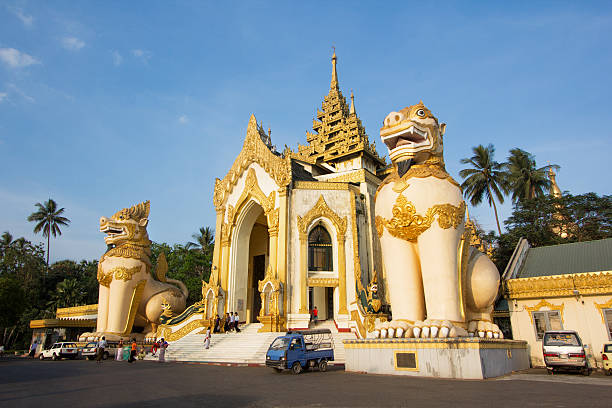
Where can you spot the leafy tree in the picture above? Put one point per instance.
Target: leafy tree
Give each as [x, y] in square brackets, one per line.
[485, 179]
[48, 219]
[542, 221]
[67, 294]
[524, 179]
[12, 305]
[204, 240]
[188, 266]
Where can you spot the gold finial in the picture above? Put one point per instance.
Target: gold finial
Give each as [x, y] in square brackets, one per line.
[269, 132]
[352, 103]
[334, 80]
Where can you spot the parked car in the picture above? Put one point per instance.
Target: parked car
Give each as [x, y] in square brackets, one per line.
[60, 350]
[564, 350]
[91, 349]
[606, 356]
[299, 350]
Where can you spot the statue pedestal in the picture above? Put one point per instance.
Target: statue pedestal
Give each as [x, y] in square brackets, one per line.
[465, 358]
[272, 323]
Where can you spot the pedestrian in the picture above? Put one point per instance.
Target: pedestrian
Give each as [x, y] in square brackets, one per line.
[207, 339]
[33, 348]
[315, 315]
[236, 322]
[232, 321]
[227, 323]
[154, 347]
[100, 350]
[163, 345]
[133, 351]
[119, 351]
[217, 328]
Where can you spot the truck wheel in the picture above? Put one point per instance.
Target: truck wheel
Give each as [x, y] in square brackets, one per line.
[41, 357]
[296, 368]
[550, 371]
[54, 357]
[609, 372]
[323, 366]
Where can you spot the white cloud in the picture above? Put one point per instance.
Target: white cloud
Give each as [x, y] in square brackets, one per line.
[19, 92]
[117, 58]
[142, 54]
[183, 119]
[26, 19]
[72, 43]
[3, 96]
[16, 59]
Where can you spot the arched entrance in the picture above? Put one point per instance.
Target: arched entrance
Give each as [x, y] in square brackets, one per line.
[250, 256]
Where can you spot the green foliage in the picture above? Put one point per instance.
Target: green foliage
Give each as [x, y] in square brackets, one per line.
[524, 179]
[485, 179]
[48, 219]
[187, 265]
[543, 220]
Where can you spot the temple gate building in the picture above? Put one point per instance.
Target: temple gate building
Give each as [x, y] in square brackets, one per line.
[295, 230]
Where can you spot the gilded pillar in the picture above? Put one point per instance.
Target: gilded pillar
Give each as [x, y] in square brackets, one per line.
[342, 275]
[281, 254]
[216, 260]
[273, 239]
[225, 249]
[303, 272]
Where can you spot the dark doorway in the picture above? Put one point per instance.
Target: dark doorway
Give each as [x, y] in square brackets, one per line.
[329, 295]
[259, 272]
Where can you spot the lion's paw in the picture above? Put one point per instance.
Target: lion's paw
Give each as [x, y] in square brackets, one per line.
[482, 329]
[392, 329]
[432, 328]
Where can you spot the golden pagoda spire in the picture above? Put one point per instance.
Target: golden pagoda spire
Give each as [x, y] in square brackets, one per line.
[555, 191]
[352, 110]
[334, 80]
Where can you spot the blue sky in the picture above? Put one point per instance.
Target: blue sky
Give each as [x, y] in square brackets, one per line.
[106, 104]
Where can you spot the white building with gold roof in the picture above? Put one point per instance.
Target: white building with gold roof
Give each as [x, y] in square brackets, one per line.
[295, 230]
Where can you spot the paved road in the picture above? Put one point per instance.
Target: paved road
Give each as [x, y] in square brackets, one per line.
[47, 384]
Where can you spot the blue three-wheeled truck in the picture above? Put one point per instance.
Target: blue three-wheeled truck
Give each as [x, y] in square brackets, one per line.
[300, 350]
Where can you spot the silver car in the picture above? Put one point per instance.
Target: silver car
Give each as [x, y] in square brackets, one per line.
[563, 349]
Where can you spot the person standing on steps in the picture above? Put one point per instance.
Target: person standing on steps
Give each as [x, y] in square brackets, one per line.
[119, 354]
[236, 322]
[315, 315]
[207, 338]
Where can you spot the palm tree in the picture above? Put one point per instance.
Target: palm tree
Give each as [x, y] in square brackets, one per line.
[6, 240]
[204, 240]
[485, 179]
[48, 219]
[68, 293]
[523, 178]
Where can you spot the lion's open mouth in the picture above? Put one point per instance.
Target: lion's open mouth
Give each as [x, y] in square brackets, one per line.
[111, 232]
[411, 136]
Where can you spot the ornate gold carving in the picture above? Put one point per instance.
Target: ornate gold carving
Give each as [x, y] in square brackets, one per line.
[161, 268]
[601, 307]
[322, 210]
[128, 250]
[251, 190]
[594, 283]
[104, 279]
[254, 150]
[270, 301]
[433, 167]
[545, 304]
[406, 224]
[167, 333]
[136, 212]
[273, 222]
[320, 185]
[323, 282]
[122, 273]
[225, 235]
[355, 176]
[64, 312]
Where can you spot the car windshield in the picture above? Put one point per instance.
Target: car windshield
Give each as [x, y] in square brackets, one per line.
[561, 339]
[280, 344]
[608, 348]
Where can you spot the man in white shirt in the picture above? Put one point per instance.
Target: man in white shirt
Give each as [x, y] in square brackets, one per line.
[101, 346]
[232, 321]
[236, 322]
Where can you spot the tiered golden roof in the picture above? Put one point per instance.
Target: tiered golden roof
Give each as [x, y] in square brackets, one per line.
[338, 131]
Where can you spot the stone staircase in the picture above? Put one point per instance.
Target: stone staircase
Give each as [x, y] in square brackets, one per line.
[246, 347]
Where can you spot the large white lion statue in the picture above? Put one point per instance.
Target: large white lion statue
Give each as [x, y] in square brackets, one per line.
[129, 295]
[438, 285]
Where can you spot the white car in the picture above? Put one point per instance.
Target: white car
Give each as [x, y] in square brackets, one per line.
[60, 350]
